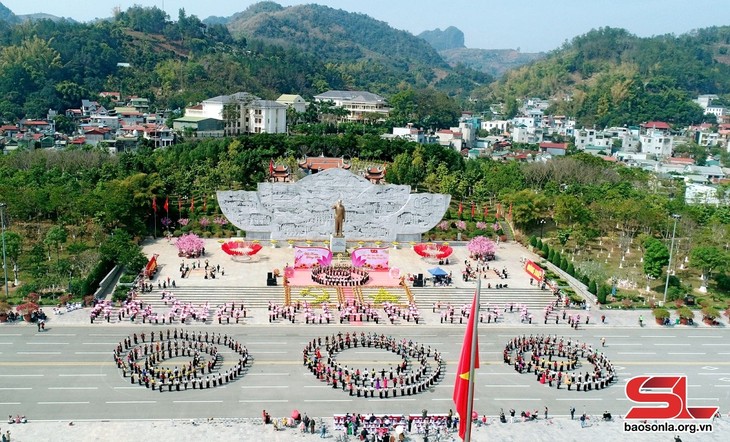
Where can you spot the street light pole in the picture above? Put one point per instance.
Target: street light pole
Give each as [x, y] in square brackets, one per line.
[542, 225]
[669, 264]
[2, 229]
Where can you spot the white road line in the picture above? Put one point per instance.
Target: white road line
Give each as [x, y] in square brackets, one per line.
[197, 402]
[705, 336]
[131, 402]
[673, 345]
[62, 403]
[636, 353]
[268, 374]
[258, 401]
[91, 352]
[617, 344]
[329, 400]
[57, 334]
[108, 334]
[81, 375]
[265, 343]
[506, 386]
[16, 388]
[9, 403]
[73, 388]
[726, 385]
[100, 343]
[10, 334]
[46, 343]
[6, 343]
[715, 345]
[39, 353]
[22, 375]
[579, 399]
[661, 336]
[127, 388]
[610, 336]
[254, 387]
[686, 353]
[705, 399]
[514, 399]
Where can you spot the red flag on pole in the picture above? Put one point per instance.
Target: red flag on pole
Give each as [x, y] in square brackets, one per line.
[192, 203]
[461, 386]
[461, 208]
[473, 208]
[167, 205]
[154, 204]
[271, 167]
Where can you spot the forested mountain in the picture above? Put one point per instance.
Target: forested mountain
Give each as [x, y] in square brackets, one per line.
[360, 49]
[495, 62]
[6, 15]
[611, 77]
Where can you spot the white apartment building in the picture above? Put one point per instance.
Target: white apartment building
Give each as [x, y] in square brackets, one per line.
[243, 113]
[501, 125]
[658, 142]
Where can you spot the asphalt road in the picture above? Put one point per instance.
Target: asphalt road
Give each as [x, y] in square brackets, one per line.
[68, 373]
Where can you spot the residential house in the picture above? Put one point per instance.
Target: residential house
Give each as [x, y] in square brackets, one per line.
[201, 126]
[359, 104]
[142, 105]
[656, 139]
[38, 126]
[450, 138]
[527, 135]
[89, 107]
[554, 149]
[293, 101]
[409, 133]
[95, 135]
[500, 126]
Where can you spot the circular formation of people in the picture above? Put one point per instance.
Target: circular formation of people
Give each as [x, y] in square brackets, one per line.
[419, 368]
[340, 275]
[554, 360]
[150, 359]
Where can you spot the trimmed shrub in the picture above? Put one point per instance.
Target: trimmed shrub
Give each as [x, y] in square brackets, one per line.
[592, 287]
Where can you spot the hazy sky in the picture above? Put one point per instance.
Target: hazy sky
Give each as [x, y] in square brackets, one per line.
[531, 25]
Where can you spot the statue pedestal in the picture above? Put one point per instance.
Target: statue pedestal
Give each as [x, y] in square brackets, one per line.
[338, 244]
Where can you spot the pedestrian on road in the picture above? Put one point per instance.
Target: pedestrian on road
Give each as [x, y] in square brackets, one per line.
[603, 342]
[572, 413]
[546, 413]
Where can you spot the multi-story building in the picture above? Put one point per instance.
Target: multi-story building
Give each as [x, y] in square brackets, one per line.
[242, 113]
[656, 139]
[358, 103]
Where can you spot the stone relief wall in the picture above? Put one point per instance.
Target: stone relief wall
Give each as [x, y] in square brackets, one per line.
[303, 209]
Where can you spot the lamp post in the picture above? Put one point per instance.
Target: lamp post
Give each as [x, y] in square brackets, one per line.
[669, 264]
[2, 229]
[542, 225]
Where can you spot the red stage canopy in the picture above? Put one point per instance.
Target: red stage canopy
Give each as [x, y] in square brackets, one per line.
[431, 250]
[241, 248]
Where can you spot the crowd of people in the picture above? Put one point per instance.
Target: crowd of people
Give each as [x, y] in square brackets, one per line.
[419, 368]
[553, 360]
[143, 359]
[340, 275]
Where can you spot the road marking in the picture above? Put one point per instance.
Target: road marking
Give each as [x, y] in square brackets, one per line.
[662, 336]
[62, 403]
[329, 400]
[614, 344]
[713, 374]
[267, 374]
[197, 402]
[57, 334]
[725, 385]
[705, 399]
[10, 334]
[73, 388]
[91, 352]
[513, 399]
[674, 345]
[108, 334]
[22, 375]
[271, 352]
[714, 345]
[9, 403]
[253, 387]
[610, 336]
[265, 343]
[126, 388]
[6, 343]
[636, 353]
[317, 386]
[82, 375]
[705, 337]
[16, 388]
[131, 402]
[687, 353]
[579, 399]
[506, 386]
[258, 401]
[100, 343]
[46, 343]
[39, 353]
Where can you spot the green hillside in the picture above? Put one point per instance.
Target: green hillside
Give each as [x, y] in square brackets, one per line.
[611, 77]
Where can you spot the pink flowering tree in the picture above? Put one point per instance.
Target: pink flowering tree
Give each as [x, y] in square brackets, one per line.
[189, 245]
[480, 246]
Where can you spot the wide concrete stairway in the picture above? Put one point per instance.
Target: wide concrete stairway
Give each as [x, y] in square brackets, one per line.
[535, 299]
[252, 297]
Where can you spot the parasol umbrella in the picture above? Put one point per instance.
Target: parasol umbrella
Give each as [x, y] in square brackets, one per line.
[295, 415]
[26, 307]
[474, 415]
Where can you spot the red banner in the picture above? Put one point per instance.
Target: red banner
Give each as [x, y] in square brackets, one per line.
[534, 270]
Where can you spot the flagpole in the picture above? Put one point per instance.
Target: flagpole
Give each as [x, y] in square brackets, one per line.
[472, 362]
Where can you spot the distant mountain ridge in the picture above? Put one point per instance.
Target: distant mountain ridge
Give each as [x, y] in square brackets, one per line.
[450, 38]
[7, 15]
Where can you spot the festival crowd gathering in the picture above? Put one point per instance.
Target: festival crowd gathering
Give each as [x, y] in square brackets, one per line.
[346, 276]
[143, 357]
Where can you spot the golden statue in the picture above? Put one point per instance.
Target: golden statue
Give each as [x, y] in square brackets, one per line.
[339, 218]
